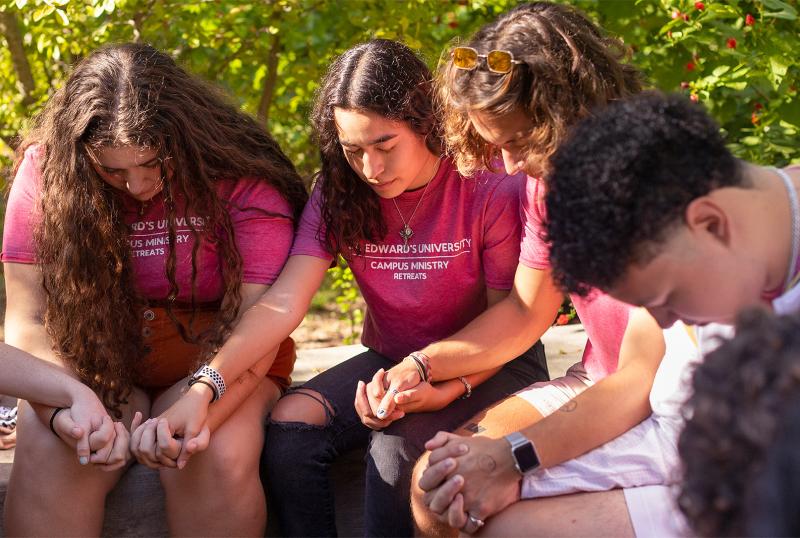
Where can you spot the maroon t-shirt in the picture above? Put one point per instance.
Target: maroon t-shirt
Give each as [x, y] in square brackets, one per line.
[466, 238]
[263, 239]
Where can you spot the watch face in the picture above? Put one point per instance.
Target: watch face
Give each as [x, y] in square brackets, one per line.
[526, 457]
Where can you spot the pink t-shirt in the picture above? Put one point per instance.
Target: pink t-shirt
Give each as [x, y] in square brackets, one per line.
[466, 238]
[603, 318]
[263, 239]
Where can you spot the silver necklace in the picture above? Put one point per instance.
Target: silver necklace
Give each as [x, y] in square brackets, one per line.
[406, 232]
[795, 206]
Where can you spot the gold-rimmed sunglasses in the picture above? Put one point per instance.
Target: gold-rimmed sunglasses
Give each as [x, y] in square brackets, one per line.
[497, 61]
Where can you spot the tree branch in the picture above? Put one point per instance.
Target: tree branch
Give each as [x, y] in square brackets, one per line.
[270, 81]
[10, 27]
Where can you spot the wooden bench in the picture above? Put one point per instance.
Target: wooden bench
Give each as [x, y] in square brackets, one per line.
[135, 507]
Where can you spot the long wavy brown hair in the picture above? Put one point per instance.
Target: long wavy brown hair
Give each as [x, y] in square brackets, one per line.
[568, 67]
[387, 78]
[123, 95]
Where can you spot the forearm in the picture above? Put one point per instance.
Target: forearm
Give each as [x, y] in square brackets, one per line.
[238, 391]
[503, 332]
[47, 382]
[601, 413]
[35, 380]
[612, 406]
[270, 315]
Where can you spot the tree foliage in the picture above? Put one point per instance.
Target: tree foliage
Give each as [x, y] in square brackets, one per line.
[738, 57]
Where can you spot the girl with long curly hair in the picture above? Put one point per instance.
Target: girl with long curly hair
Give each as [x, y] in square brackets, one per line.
[563, 457]
[430, 250]
[147, 213]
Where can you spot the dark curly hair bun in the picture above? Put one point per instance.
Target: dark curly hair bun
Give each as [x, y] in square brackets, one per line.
[622, 178]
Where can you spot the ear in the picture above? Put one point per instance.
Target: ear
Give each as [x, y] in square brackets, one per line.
[705, 216]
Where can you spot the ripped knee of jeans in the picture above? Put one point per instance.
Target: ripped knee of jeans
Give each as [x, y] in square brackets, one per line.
[302, 408]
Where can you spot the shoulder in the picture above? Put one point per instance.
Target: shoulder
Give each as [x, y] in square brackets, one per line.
[253, 193]
[498, 185]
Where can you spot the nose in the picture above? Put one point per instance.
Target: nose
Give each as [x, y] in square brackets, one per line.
[140, 182]
[512, 161]
[372, 165]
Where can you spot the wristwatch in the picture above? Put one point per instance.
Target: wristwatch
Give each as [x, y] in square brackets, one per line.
[526, 459]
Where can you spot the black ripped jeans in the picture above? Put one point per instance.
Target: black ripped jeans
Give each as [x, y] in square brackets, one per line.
[297, 456]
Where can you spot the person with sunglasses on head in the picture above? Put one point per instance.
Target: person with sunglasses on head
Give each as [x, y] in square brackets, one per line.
[563, 457]
[133, 240]
[430, 250]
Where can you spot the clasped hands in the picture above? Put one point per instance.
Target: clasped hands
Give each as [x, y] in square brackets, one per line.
[165, 441]
[393, 393]
[468, 479]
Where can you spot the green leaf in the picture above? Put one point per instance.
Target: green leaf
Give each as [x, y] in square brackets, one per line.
[63, 16]
[42, 12]
[778, 66]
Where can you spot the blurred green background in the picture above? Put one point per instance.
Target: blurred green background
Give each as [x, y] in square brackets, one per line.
[739, 58]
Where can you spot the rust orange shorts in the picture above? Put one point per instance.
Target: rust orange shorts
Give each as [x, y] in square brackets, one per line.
[170, 358]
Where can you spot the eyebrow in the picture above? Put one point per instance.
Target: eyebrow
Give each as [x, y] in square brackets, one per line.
[379, 140]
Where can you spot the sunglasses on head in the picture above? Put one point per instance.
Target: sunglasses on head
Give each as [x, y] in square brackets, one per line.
[497, 61]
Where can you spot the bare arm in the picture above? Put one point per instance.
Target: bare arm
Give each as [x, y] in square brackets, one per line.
[272, 316]
[620, 400]
[504, 331]
[598, 415]
[24, 325]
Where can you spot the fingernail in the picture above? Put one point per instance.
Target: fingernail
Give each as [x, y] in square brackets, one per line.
[449, 463]
[83, 460]
[181, 464]
[463, 449]
[458, 479]
[380, 413]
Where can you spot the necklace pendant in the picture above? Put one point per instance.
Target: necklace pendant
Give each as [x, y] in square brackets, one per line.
[406, 232]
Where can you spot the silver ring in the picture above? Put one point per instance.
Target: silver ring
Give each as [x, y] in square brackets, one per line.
[394, 391]
[478, 522]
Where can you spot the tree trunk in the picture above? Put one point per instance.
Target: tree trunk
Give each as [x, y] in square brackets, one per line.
[10, 27]
[270, 81]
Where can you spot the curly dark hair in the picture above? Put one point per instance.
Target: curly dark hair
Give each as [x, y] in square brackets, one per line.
[740, 392]
[568, 67]
[133, 94]
[387, 78]
[622, 178]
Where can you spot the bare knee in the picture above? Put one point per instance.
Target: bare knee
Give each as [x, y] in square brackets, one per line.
[303, 405]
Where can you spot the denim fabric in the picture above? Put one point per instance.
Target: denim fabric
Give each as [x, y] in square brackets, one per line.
[297, 456]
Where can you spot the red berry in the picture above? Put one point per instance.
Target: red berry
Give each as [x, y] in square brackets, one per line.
[453, 24]
[754, 118]
[749, 20]
[699, 6]
[676, 14]
[731, 43]
[758, 106]
[686, 17]
[690, 66]
[563, 319]
[694, 98]
[684, 85]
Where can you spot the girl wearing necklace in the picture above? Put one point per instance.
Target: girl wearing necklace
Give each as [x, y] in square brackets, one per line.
[134, 238]
[430, 251]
